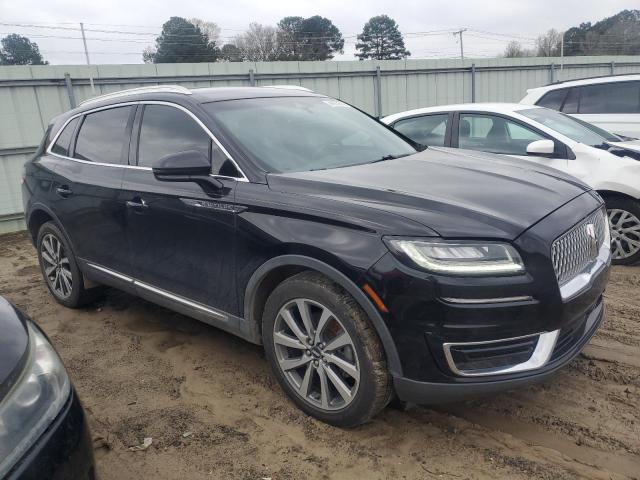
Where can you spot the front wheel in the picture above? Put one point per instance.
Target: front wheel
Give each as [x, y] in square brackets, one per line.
[624, 221]
[324, 352]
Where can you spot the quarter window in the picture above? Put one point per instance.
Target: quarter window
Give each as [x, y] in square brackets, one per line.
[618, 97]
[61, 147]
[103, 136]
[573, 101]
[495, 134]
[553, 99]
[425, 130]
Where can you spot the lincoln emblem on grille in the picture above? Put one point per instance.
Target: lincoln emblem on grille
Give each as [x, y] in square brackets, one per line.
[590, 229]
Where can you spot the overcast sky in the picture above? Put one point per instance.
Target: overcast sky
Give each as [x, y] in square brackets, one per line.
[427, 24]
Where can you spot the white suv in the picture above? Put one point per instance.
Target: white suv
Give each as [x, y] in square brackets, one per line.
[612, 102]
[611, 166]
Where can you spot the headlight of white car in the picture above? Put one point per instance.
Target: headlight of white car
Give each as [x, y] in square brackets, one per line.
[458, 257]
[33, 402]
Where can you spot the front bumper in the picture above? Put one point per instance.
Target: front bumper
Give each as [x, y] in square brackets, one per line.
[461, 336]
[424, 393]
[64, 451]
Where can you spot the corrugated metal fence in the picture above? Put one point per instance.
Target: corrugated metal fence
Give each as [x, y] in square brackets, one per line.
[31, 95]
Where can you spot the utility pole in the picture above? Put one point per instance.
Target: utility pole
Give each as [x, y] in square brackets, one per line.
[561, 54]
[86, 54]
[459, 32]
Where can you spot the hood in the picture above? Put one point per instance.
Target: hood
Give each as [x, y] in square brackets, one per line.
[14, 341]
[456, 193]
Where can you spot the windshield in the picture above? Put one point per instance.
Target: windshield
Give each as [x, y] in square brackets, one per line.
[294, 134]
[568, 126]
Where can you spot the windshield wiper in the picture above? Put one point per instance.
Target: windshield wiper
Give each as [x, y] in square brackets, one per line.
[389, 157]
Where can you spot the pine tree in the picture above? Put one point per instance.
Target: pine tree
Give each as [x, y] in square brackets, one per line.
[381, 40]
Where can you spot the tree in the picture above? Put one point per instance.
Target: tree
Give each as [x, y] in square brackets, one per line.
[19, 50]
[514, 50]
[381, 40]
[230, 53]
[182, 42]
[210, 29]
[258, 44]
[616, 35]
[313, 38]
[548, 44]
[289, 40]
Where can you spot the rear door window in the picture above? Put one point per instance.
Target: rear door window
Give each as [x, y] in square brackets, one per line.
[615, 97]
[103, 136]
[61, 147]
[426, 129]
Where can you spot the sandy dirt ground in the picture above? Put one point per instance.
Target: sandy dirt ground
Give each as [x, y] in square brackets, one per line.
[214, 410]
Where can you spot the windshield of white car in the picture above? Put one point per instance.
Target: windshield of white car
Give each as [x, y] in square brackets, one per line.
[295, 134]
[570, 127]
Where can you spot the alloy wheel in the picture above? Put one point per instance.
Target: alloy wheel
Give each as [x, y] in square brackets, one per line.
[316, 354]
[56, 266]
[625, 233]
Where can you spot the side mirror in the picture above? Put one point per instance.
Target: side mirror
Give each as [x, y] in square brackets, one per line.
[187, 166]
[541, 148]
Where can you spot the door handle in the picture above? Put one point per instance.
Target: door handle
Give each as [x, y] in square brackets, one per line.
[64, 191]
[137, 204]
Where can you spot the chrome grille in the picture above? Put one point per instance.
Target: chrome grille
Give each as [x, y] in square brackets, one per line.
[577, 248]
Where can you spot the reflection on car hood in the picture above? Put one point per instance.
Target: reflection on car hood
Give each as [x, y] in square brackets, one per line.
[14, 341]
[455, 192]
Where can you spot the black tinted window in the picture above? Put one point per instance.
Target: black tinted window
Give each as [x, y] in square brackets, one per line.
[553, 99]
[572, 101]
[617, 97]
[167, 130]
[426, 130]
[103, 136]
[61, 147]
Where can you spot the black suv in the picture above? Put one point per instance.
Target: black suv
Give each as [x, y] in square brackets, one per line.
[365, 264]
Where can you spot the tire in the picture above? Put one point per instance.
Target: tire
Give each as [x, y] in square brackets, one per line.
[327, 353]
[59, 268]
[624, 220]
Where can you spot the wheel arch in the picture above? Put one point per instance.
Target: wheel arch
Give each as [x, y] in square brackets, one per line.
[604, 193]
[274, 271]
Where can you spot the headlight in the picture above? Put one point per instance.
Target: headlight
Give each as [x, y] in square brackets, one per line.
[458, 257]
[33, 402]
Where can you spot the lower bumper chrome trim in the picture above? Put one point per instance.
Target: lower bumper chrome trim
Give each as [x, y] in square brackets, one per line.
[478, 301]
[540, 356]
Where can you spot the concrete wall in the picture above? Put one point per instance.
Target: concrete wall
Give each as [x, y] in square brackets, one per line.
[31, 95]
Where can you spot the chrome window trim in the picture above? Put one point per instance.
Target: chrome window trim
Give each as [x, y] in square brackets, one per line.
[540, 356]
[243, 178]
[477, 301]
[176, 298]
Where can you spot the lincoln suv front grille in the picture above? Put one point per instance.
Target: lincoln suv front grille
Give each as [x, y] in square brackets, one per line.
[577, 248]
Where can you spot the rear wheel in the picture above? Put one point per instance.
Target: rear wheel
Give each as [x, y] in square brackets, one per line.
[624, 221]
[324, 352]
[59, 268]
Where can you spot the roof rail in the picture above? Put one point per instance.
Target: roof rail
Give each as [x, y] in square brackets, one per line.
[558, 82]
[289, 87]
[135, 91]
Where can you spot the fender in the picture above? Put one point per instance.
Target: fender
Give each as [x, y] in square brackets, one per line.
[40, 206]
[390, 350]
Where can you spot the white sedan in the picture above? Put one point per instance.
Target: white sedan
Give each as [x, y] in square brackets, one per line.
[611, 166]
